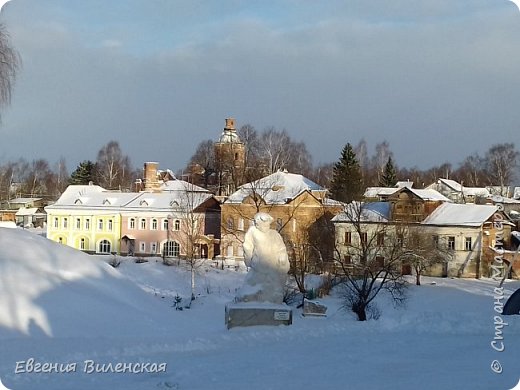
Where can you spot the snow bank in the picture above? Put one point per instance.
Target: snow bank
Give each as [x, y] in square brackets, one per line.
[47, 289]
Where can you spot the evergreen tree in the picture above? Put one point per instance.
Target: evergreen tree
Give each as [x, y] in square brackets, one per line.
[84, 173]
[347, 180]
[389, 177]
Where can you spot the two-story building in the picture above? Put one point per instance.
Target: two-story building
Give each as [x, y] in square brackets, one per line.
[295, 202]
[171, 218]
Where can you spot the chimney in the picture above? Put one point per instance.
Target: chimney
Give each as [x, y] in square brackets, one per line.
[151, 184]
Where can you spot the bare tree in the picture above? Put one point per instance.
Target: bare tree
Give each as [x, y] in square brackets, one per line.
[501, 162]
[201, 167]
[379, 160]
[275, 149]
[10, 62]
[424, 250]
[113, 167]
[249, 136]
[189, 212]
[37, 176]
[62, 177]
[471, 172]
[370, 260]
[322, 174]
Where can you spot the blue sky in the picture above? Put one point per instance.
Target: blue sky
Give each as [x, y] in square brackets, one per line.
[437, 79]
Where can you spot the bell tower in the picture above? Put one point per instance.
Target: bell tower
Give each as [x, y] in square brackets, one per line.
[229, 159]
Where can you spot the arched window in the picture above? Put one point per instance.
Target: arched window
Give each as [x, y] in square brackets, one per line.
[82, 244]
[177, 225]
[171, 249]
[104, 246]
[154, 224]
[131, 223]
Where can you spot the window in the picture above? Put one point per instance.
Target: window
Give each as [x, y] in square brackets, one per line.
[100, 224]
[279, 224]
[229, 251]
[348, 238]
[400, 240]
[56, 222]
[347, 259]
[380, 239]
[131, 223]
[171, 249]
[104, 246]
[153, 247]
[82, 245]
[142, 247]
[142, 224]
[78, 223]
[380, 262]
[65, 223]
[177, 225]
[154, 224]
[110, 223]
[60, 240]
[87, 223]
[363, 236]
[467, 244]
[241, 224]
[230, 223]
[165, 224]
[451, 242]
[435, 240]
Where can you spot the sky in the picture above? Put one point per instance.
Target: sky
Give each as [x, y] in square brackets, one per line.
[438, 79]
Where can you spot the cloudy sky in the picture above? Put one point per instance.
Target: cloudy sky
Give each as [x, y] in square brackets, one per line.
[438, 79]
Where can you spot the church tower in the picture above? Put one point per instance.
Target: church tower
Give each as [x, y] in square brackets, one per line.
[229, 159]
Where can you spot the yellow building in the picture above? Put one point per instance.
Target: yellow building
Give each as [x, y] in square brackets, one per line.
[88, 218]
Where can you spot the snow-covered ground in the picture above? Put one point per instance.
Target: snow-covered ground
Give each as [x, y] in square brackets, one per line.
[62, 307]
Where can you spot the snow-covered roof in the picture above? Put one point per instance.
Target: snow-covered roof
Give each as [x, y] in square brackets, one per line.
[454, 214]
[451, 184]
[406, 183]
[459, 188]
[229, 136]
[92, 196]
[364, 212]
[173, 200]
[181, 186]
[23, 212]
[375, 192]
[426, 194]
[475, 191]
[277, 188]
[503, 200]
[24, 200]
[175, 194]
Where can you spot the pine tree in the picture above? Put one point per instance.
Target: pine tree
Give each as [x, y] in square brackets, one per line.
[347, 180]
[84, 173]
[389, 177]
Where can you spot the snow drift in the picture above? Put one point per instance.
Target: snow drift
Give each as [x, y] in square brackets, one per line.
[47, 289]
